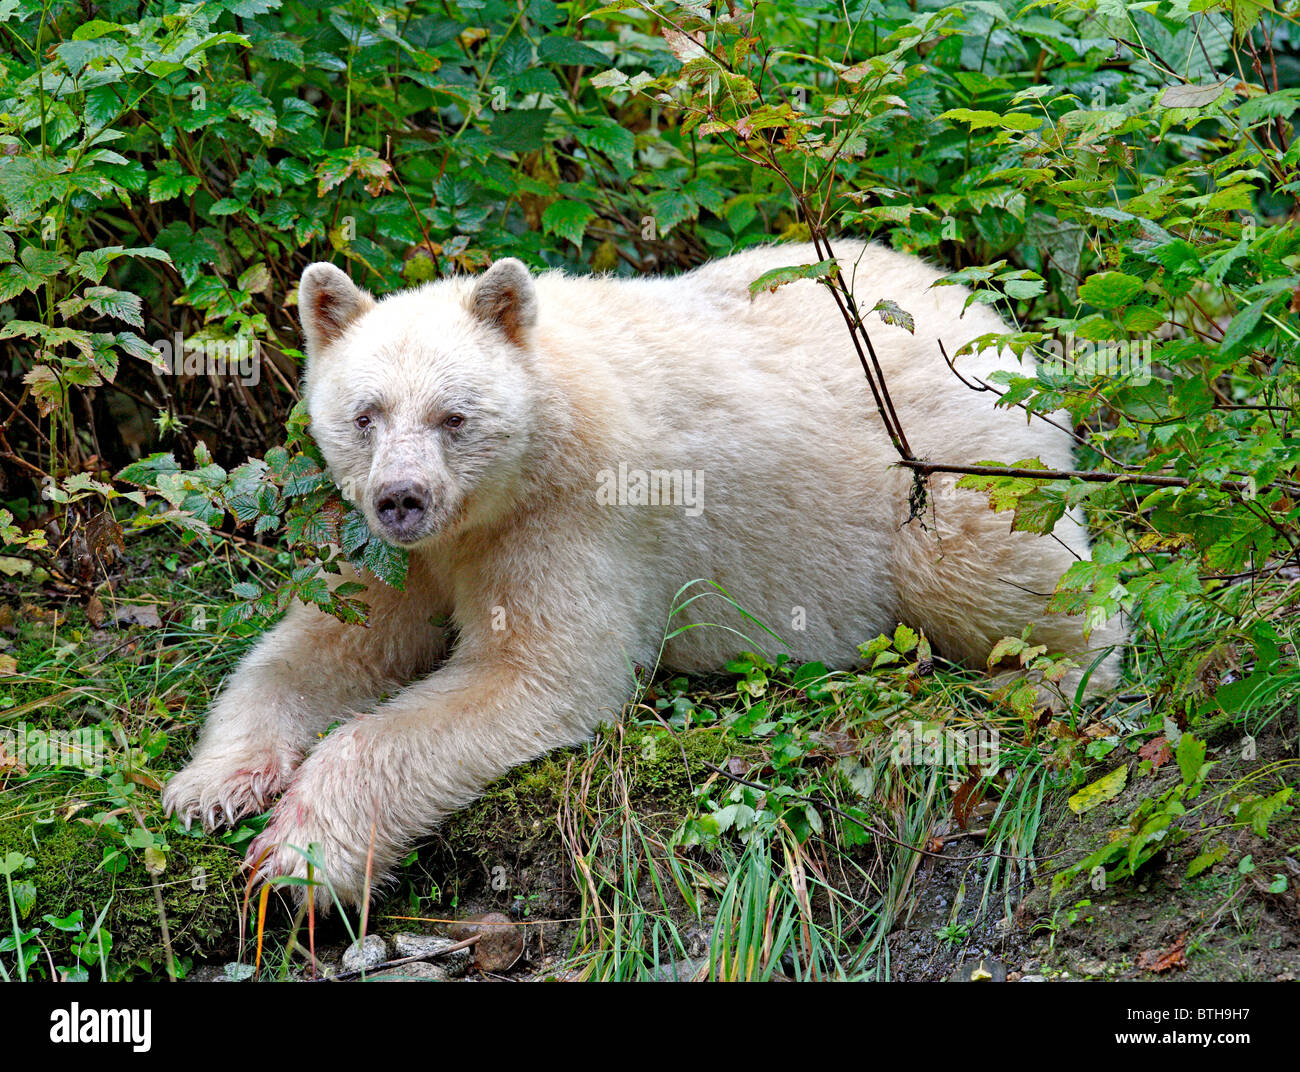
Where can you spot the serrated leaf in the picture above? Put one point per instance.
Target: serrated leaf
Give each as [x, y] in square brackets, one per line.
[116, 303]
[568, 219]
[1207, 859]
[1110, 290]
[775, 278]
[892, 313]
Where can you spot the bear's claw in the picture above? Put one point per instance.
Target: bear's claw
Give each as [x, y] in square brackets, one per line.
[218, 795]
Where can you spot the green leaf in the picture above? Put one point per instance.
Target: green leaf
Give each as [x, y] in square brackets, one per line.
[982, 120]
[520, 130]
[249, 105]
[671, 207]
[386, 562]
[568, 219]
[775, 278]
[1190, 754]
[1207, 859]
[611, 79]
[1242, 326]
[905, 639]
[171, 181]
[610, 138]
[565, 51]
[1110, 290]
[1038, 511]
[24, 897]
[117, 303]
[247, 9]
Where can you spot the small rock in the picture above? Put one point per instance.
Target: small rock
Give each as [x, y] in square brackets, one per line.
[1033, 979]
[502, 942]
[697, 943]
[450, 965]
[219, 973]
[984, 970]
[681, 971]
[365, 954]
[416, 971]
[147, 616]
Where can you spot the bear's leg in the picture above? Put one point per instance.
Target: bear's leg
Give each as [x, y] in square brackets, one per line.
[374, 787]
[968, 581]
[309, 671]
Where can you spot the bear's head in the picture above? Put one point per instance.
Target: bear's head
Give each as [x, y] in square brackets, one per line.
[422, 402]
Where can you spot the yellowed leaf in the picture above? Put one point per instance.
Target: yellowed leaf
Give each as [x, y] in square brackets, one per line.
[1100, 791]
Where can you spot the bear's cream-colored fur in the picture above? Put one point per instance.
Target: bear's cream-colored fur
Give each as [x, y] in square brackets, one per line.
[561, 456]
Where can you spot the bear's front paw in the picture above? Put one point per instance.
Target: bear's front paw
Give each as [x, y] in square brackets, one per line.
[220, 789]
[300, 832]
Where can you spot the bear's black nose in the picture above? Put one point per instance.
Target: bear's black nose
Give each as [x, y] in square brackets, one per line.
[400, 506]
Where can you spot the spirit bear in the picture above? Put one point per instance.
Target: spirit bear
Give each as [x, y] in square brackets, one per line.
[561, 456]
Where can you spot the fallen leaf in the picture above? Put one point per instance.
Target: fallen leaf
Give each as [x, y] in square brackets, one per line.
[835, 741]
[144, 779]
[968, 797]
[14, 567]
[1157, 750]
[34, 613]
[95, 611]
[8, 665]
[1173, 957]
[1102, 790]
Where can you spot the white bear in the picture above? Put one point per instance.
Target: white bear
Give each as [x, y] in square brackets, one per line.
[561, 456]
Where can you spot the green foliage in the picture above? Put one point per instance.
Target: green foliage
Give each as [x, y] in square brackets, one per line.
[286, 492]
[1130, 212]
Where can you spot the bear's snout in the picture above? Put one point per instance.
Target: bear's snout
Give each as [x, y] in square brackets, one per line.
[401, 507]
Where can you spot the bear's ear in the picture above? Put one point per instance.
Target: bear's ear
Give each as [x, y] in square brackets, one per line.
[503, 297]
[328, 301]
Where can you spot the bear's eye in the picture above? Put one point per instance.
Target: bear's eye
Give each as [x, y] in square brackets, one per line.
[453, 420]
[364, 421]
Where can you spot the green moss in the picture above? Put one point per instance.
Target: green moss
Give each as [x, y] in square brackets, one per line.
[508, 845]
[514, 824]
[68, 875]
[661, 770]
